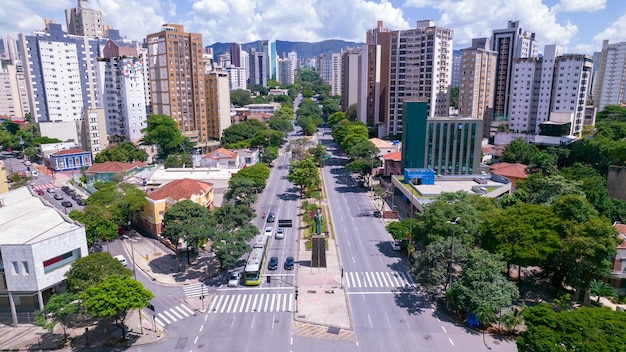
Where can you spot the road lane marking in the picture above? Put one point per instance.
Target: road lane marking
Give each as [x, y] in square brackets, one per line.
[444, 329]
[195, 340]
[370, 319]
[451, 341]
[372, 293]
[201, 327]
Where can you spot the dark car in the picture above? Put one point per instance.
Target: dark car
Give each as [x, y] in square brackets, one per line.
[76, 196]
[377, 214]
[70, 192]
[80, 202]
[66, 203]
[58, 196]
[273, 263]
[65, 188]
[271, 217]
[289, 263]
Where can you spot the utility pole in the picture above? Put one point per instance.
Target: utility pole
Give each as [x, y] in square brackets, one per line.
[456, 221]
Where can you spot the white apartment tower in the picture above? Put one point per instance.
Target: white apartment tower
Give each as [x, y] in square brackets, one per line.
[84, 21]
[236, 77]
[477, 71]
[13, 91]
[10, 48]
[335, 74]
[285, 71]
[420, 67]
[610, 86]
[552, 88]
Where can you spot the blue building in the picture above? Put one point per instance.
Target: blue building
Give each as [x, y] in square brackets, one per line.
[70, 159]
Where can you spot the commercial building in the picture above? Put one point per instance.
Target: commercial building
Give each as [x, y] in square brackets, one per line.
[446, 145]
[349, 78]
[610, 86]
[257, 68]
[217, 102]
[37, 246]
[176, 71]
[84, 21]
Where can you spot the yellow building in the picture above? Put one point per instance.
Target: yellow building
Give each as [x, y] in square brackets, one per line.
[4, 185]
[150, 218]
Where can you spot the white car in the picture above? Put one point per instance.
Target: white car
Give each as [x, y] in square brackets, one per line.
[280, 233]
[396, 245]
[269, 230]
[234, 278]
[121, 259]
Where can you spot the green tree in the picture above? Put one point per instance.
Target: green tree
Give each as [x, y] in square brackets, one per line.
[258, 173]
[364, 149]
[163, 131]
[454, 97]
[612, 112]
[582, 329]
[240, 97]
[538, 189]
[113, 297]
[482, 284]
[178, 160]
[100, 222]
[431, 266]
[318, 153]
[334, 118]
[188, 221]
[242, 189]
[60, 309]
[513, 318]
[601, 289]
[90, 270]
[282, 124]
[125, 152]
[242, 131]
[351, 113]
[304, 174]
[355, 133]
[519, 151]
[330, 106]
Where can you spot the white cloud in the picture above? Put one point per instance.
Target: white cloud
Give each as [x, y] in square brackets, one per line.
[477, 18]
[615, 33]
[134, 18]
[581, 5]
[18, 17]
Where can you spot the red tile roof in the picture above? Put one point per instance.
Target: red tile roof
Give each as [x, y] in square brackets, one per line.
[621, 228]
[216, 154]
[394, 156]
[69, 151]
[181, 189]
[114, 167]
[515, 170]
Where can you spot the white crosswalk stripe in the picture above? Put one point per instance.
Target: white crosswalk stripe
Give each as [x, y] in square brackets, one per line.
[43, 187]
[251, 303]
[378, 279]
[195, 290]
[173, 315]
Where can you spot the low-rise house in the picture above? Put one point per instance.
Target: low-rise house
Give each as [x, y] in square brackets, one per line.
[37, 246]
[150, 217]
[618, 269]
[392, 164]
[70, 160]
[513, 171]
[220, 158]
[385, 147]
[112, 171]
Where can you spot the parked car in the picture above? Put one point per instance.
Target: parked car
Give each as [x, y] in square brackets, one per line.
[269, 230]
[40, 192]
[377, 214]
[396, 245]
[58, 196]
[280, 233]
[70, 192]
[233, 280]
[27, 163]
[289, 262]
[66, 203]
[121, 259]
[65, 188]
[271, 217]
[76, 196]
[273, 263]
[80, 202]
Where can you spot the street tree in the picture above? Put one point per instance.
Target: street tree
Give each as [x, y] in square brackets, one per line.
[163, 132]
[356, 132]
[233, 217]
[512, 318]
[601, 289]
[318, 153]
[524, 234]
[304, 174]
[113, 297]
[229, 246]
[432, 265]
[258, 173]
[90, 270]
[519, 151]
[187, 221]
[363, 168]
[242, 131]
[334, 118]
[242, 190]
[448, 206]
[240, 97]
[581, 329]
[351, 112]
[99, 221]
[539, 189]
[364, 149]
[267, 138]
[60, 309]
[125, 152]
[482, 284]
[330, 106]
[282, 124]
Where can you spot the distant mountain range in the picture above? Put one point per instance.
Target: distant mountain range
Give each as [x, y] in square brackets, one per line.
[303, 49]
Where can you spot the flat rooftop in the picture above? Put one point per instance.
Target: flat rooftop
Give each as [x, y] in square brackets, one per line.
[25, 219]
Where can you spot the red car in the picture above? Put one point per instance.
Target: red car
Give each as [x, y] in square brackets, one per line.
[39, 192]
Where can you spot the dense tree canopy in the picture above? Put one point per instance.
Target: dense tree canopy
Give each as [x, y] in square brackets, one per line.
[90, 270]
[125, 152]
[163, 131]
[240, 97]
[242, 131]
[304, 174]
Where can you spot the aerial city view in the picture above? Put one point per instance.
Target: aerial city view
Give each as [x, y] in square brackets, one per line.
[358, 175]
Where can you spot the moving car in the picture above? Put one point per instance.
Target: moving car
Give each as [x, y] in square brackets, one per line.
[396, 245]
[65, 188]
[269, 230]
[280, 233]
[289, 262]
[51, 190]
[66, 203]
[121, 259]
[273, 263]
[39, 192]
[58, 196]
[271, 217]
[234, 278]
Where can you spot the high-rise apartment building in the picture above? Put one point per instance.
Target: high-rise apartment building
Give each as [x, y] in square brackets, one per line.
[218, 103]
[477, 69]
[236, 77]
[323, 67]
[285, 71]
[510, 43]
[10, 48]
[61, 75]
[257, 68]
[349, 78]
[293, 56]
[13, 91]
[235, 54]
[177, 85]
[455, 81]
[553, 88]
[84, 21]
[421, 67]
[610, 85]
[335, 74]
[373, 89]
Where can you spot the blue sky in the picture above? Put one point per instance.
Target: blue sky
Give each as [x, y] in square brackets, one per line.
[578, 25]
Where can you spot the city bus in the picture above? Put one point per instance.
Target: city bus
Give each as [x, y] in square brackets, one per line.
[254, 265]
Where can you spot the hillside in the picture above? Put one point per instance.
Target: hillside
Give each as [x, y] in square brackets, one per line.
[304, 49]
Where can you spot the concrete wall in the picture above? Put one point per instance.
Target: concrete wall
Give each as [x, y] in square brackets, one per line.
[616, 182]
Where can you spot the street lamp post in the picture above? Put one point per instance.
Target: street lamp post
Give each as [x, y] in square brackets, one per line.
[456, 221]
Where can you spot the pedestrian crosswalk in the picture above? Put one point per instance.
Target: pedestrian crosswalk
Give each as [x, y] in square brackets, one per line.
[43, 187]
[195, 290]
[378, 279]
[173, 315]
[252, 303]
